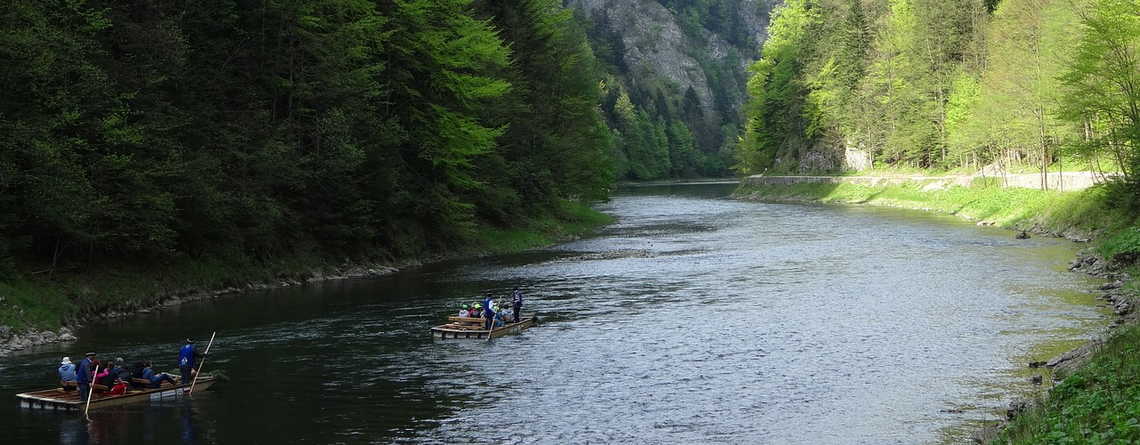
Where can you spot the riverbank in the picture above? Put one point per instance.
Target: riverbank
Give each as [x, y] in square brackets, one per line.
[1078, 216]
[1096, 397]
[47, 308]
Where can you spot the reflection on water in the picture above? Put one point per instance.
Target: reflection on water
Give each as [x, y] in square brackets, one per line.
[693, 319]
[189, 431]
[120, 425]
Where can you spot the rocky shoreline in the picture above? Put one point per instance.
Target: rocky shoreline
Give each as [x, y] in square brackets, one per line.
[1114, 297]
[12, 342]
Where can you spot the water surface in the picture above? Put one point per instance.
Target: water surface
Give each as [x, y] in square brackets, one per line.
[693, 319]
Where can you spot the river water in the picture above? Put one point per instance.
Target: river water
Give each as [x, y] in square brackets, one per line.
[693, 319]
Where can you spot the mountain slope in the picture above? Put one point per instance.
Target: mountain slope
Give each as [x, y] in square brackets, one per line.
[670, 64]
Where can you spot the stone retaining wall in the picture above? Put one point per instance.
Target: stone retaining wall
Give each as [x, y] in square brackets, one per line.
[1069, 181]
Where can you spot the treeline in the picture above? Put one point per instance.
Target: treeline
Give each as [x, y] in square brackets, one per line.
[662, 130]
[146, 130]
[946, 84]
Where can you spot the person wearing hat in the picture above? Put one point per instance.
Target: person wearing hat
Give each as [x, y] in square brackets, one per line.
[499, 314]
[186, 357]
[84, 375]
[67, 373]
[464, 312]
[516, 305]
[488, 311]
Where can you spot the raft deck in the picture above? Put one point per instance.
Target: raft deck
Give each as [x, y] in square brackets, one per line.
[473, 328]
[60, 400]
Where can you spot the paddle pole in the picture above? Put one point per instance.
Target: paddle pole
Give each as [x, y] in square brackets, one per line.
[200, 365]
[492, 326]
[90, 391]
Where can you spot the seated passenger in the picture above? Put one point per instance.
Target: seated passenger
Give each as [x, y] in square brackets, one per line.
[122, 372]
[137, 371]
[67, 373]
[508, 315]
[138, 368]
[156, 379]
[107, 376]
[464, 312]
[118, 386]
[478, 311]
[498, 317]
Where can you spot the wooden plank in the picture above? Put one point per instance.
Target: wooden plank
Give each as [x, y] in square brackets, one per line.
[466, 319]
[57, 399]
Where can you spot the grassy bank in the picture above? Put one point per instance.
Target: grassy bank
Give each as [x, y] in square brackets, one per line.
[46, 302]
[1078, 214]
[1097, 404]
[1100, 402]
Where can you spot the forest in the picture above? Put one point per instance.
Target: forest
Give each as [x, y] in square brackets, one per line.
[661, 129]
[141, 131]
[966, 85]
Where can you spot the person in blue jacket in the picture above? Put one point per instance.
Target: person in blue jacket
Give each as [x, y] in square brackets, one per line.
[186, 357]
[84, 375]
[488, 312]
[155, 379]
[67, 372]
[516, 304]
[500, 321]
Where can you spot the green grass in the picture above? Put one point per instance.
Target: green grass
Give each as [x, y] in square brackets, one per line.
[47, 302]
[1097, 404]
[1005, 207]
[571, 219]
[30, 304]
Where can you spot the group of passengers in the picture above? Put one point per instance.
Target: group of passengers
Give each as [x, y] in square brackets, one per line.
[490, 310]
[113, 377]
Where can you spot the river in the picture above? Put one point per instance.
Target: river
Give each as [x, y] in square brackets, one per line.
[693, 319]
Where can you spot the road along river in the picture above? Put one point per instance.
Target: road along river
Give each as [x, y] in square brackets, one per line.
[694, 319]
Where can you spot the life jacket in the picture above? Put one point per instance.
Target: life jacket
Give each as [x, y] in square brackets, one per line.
[186, 356]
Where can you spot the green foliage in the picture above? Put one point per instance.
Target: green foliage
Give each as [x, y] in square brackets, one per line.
[1123, 242]
[226, 136]
[31, 304]
[1098, 404]
[948, 85]
[698, 151]
[569, 219]
[775, 130]
[1103, 81]
[1006, 207]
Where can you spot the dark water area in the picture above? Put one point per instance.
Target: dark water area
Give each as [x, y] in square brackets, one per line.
[693, 319]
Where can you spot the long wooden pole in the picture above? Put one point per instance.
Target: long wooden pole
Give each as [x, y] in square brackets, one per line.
[90, 391]
[200, 365]
[489, 331]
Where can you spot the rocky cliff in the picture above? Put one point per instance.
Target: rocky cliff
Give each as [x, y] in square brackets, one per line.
[655, 41]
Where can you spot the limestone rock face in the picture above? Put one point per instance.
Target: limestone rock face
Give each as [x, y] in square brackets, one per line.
[654, 41]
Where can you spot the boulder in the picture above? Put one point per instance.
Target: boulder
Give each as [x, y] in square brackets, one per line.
[48, 337]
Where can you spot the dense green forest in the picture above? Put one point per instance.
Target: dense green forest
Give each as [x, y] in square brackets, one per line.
[947, 84]
[142, 131]
[661, 128]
